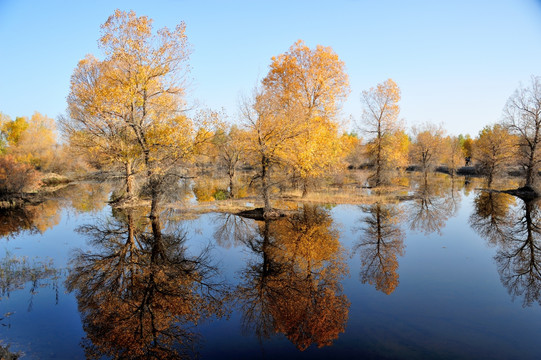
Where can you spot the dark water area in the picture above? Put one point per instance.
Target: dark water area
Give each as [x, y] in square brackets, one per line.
[453, 273]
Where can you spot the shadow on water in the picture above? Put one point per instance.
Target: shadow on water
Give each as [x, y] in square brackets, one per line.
[144, 291]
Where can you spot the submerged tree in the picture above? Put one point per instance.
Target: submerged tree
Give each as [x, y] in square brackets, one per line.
[92, 126]
[522, 116]
[291, 118]
[230, 151]
[270, 132]
[454, 154]
[387, 144]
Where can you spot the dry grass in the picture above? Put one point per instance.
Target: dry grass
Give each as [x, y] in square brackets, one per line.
[292, 199]
[349, 195]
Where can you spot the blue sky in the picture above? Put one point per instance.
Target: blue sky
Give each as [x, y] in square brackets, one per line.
[456, 62]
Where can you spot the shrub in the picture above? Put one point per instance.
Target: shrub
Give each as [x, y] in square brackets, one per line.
[203, 193]
[15, 177]
[221, 194]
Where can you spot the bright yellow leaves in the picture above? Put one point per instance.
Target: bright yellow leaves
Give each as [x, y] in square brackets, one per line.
[312, 81]
[494, 149]
[428, 148]
[311, 85]
[127, 108]
[292, 118]
[31, 140]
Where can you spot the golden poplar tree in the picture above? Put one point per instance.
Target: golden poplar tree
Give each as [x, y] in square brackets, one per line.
[269, 139]
[428, 147]
[494, 149]
[310, 85]
[387, 144]
[137, 93]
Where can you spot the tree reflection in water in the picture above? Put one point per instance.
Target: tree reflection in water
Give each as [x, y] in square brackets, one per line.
[233, 230]
[516, 232]
[492, 216]
[435, 201]
[31, 219]
[380, 245]
[37, 218]
[138, 291]
[292, 286]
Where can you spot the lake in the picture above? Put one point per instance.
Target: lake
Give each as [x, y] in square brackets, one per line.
[450, 272]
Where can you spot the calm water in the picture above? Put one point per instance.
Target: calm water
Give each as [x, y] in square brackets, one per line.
[451, 273]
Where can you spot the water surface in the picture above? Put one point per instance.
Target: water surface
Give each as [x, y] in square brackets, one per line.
[451, 273]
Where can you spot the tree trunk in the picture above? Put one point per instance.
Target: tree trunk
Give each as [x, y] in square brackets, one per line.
[130, 188]
[304, 187]
[530, 173]
[154, 193]
[231, 173]
[265, 184]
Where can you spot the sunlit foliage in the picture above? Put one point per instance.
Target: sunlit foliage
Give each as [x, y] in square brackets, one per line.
[15, 176]
[428, 146]
[387, 145]
[29, 140]
[291, 118]
[495, 148]
[310, 84]
[454, 154]
[129, 107]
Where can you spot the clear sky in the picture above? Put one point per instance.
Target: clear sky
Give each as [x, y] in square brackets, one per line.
[456, 62]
